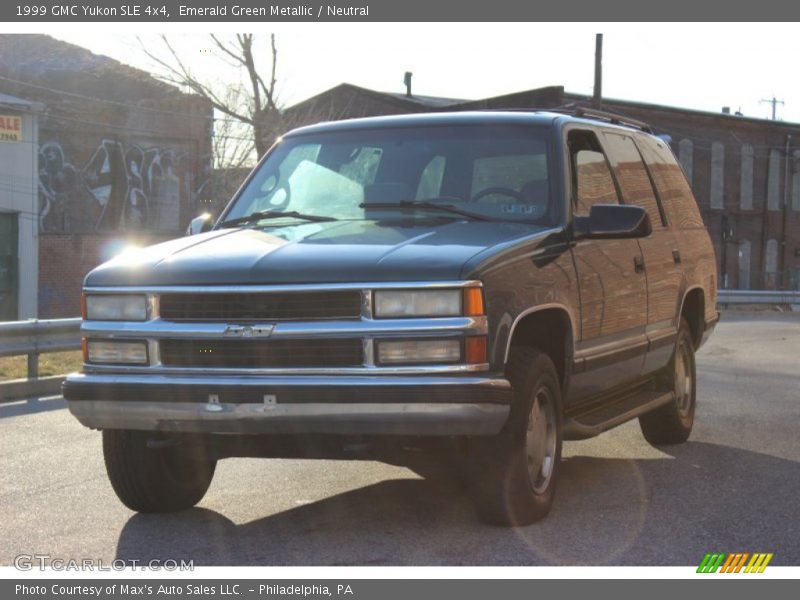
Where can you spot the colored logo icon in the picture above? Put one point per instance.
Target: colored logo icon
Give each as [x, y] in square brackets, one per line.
[737, 562]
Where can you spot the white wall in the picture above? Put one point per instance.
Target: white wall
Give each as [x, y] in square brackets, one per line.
[19, 194]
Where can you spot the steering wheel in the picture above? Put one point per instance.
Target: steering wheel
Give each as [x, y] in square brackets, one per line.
[505, 191]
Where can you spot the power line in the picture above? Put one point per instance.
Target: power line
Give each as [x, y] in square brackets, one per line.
[103, 100]
[143, 131]
[222, 119]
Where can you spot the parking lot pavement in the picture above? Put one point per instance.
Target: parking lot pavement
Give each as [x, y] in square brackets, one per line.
[733, 487]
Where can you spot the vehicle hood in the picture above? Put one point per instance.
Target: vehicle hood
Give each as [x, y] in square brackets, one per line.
[328, 252]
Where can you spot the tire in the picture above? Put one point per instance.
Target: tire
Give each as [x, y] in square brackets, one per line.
[515, 473]
[672, 423]
[156, 477]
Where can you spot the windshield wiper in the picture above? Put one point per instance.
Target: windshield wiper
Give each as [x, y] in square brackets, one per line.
[427, 205]
[274, 214]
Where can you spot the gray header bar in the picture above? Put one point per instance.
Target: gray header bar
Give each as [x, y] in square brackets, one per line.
[730, 588]
[269, 11]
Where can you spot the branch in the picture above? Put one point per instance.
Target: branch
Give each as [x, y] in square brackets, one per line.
[182, 76]
[246, 42]
[227, 50]
[271, 92]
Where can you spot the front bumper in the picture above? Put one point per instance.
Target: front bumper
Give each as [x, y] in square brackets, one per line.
[361, 405]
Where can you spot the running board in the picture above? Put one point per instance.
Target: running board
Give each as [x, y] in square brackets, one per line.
[598, 419]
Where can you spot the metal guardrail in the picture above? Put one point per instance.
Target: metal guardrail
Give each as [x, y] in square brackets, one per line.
[758, 297]
[34, 337]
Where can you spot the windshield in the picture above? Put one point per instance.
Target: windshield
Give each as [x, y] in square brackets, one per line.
[493, 172]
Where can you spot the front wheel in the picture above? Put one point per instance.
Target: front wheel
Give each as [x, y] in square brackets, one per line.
[672, 423]
[515, 472]
[157, 475]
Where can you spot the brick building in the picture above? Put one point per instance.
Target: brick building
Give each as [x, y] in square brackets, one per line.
[122, 158]
[745, 172]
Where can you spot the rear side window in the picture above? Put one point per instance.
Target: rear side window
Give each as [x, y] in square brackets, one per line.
[592, 182]
[673, 189]
[633, 177]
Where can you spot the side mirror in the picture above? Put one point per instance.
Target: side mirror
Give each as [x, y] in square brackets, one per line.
[199, 224]
[610, 221]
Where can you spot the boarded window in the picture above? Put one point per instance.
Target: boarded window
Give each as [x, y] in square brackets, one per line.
[774, 181]
[771, 265]
[796, 181]
[744, 265]
[717, 199]
[746, 179]
[632, 176]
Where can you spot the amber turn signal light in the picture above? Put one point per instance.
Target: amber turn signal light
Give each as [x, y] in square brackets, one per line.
[475, 350]
[473, 302]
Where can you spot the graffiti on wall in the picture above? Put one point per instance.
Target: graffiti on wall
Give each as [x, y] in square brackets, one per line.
[121, 186]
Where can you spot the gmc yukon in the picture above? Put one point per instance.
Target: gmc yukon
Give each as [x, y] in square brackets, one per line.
[474, 288]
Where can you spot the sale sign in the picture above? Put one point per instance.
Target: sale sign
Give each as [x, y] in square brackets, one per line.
[10, 128]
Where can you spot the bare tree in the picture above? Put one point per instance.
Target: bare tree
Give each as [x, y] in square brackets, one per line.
[253, 103]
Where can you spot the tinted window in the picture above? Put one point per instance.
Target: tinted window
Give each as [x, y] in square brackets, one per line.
[497, 171]
[501, 179]
[632, 176]
[673, 189]
[592, 182]
[430, 183]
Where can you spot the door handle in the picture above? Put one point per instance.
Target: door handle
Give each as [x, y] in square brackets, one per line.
[638, 264]
[676, 256]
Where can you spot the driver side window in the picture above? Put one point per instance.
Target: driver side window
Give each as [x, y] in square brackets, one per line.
[592, 182]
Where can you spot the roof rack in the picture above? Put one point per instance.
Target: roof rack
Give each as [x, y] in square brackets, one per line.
[601, 115]
[583, 112]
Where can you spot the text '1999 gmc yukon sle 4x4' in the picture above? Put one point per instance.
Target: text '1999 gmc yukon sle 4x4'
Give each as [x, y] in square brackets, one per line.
[471, 288]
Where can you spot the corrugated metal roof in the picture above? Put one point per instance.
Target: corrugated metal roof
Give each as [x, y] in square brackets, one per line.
[20, 104]
[431, 101]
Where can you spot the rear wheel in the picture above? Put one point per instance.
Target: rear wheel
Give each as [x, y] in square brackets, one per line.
[514, 473]
[153, 475]
[672, 423]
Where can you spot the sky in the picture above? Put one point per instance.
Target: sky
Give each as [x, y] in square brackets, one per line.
[699, 66]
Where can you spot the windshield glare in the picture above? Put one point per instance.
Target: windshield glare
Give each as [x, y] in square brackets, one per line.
[499, 172]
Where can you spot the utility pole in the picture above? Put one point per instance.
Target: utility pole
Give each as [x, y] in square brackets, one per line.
[774, 101]
[597, 99]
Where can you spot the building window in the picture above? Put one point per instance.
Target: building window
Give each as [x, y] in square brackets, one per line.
[796, 181]
[744, 265]
[717, 174]
[686, 157]
[774, 181]
[746, 182]
[771, 265]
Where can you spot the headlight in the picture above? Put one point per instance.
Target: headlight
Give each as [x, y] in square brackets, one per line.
[419, 352]
[418, 303]
[116, 307]
[115, 353]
